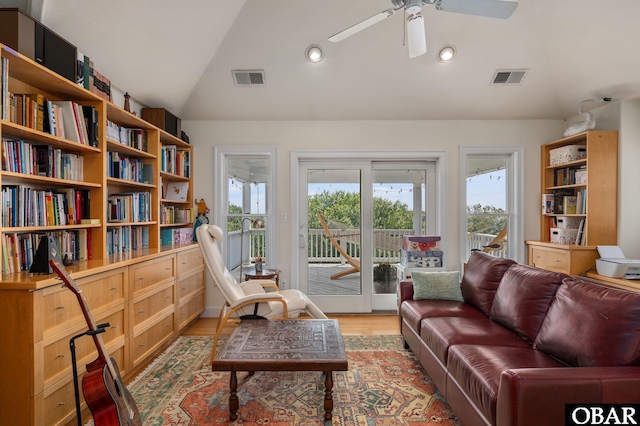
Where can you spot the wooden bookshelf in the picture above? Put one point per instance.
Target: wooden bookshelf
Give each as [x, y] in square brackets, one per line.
[600, 206]
[147, 292]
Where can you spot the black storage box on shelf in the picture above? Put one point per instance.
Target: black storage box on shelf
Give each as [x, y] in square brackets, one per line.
[24, 34]
[163, 119]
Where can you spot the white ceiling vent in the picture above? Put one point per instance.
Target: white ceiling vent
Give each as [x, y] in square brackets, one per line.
[248, 77]
[508, 77]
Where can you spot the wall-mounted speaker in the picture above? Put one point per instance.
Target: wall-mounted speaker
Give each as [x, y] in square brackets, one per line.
[47, 249]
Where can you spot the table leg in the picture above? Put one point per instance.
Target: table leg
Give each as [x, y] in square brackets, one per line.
[328, 395]
[233, 396]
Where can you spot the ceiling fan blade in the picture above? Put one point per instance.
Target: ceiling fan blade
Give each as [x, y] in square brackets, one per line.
[490, 8]
[363, 24]
[416, 37]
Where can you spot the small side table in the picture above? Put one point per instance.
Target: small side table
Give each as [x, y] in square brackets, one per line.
[265, 274]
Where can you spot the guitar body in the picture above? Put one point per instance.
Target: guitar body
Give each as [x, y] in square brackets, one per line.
[106, 396]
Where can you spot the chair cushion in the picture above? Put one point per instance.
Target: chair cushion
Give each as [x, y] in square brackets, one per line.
[592, 325]
[481, 279]
[523, 299]
[437, 285]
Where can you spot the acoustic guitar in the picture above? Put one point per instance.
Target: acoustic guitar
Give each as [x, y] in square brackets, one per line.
[106, 395]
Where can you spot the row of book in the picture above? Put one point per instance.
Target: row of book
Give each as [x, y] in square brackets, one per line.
[124, 239]
[570, 176]
[565, 201]
[131, 169]
[26, 206]
[64, 119]
[135, 138]
[176, 236]
[170, 215]
[129, 207]
[18, 250]
[91, 79]
[175, 161]
[19, 156]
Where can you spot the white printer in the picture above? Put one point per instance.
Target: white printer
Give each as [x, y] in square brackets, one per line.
[613, 263]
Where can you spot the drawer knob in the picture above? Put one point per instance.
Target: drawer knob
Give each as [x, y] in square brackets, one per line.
[141, 279]
[62, 403]
[60, 307]
[60, 356]
[142, 345]
[114, 288]
[141, 311]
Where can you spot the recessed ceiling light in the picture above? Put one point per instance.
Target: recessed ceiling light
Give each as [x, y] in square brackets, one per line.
[446, 53]
[314, 53]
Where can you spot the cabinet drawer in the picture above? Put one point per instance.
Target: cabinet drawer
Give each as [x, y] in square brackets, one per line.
[59, 401]
[552, 260]
[151, 339]
[60, 306]
[146, 308]
[152, 272]
[190, 285]
[57, 354]
[188, 260]
[190, 310]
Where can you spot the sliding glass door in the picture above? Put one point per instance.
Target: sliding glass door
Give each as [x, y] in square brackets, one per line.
[353, 216]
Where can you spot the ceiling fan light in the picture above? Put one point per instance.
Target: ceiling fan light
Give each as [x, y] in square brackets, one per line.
[314, 53]
[416, 35]
[446, 53]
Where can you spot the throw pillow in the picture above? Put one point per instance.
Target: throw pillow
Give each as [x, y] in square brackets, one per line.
[437, 285]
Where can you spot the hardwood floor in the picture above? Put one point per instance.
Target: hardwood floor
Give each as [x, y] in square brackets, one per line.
[352, 324]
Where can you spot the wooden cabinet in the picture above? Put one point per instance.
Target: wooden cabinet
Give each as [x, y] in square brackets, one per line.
[190, 294]
[596, 193]
[146, 300]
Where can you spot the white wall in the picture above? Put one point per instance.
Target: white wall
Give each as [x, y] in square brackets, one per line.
[370, 136]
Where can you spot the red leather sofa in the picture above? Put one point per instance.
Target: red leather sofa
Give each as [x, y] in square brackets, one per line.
[525, 342]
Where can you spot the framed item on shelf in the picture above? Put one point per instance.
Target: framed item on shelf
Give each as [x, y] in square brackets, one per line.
[177, 191]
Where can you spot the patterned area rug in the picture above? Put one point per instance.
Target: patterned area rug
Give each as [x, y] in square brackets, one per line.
[385, 385]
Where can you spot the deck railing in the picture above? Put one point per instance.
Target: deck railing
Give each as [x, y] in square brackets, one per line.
[320, 249]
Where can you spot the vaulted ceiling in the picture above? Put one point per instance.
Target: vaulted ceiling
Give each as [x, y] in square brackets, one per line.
[180, 54]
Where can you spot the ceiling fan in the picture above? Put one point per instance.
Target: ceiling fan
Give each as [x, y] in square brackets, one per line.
[415, 23]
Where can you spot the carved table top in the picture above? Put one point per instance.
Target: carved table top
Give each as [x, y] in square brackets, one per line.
[286, 345]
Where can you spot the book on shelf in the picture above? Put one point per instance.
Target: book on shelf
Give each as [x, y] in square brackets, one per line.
[558, 199]
[569, 204]
[90, 221]
[547, 203]
[90, 115]
[177, 191]
[579, 236]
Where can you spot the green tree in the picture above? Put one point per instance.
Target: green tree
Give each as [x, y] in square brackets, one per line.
[235, 223]
[344, 207]
[485, 219]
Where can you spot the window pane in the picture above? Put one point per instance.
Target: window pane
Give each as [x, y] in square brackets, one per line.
[487, 215]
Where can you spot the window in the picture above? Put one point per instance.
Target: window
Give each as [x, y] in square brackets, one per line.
[491, 196]
[244, 184]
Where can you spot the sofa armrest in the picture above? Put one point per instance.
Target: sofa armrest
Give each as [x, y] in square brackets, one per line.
[536, 396]
[405, 292]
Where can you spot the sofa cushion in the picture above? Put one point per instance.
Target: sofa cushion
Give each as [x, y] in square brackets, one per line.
[481, 279]
[476, 369]
[413, 311]
[437, 285]
[590, 324]
[523, 299]
[441, 333]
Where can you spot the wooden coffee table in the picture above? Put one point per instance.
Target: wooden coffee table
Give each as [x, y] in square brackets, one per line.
[286, 345]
